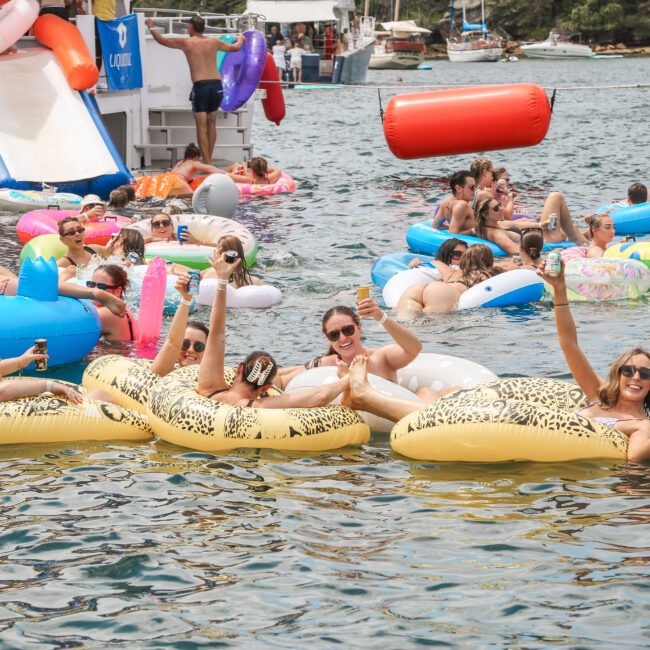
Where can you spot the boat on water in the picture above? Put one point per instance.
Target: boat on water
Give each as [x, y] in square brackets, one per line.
[475, 42]
[558, 46]
[323, 65]
[400, 46]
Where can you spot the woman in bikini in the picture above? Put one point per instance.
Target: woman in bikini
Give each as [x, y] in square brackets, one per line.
[623, 399]
[601, 233]
[192, 166]
[257, 172]
[71, 233]
[241, 276]
[476, 265]
[255, 374]
[113, 279]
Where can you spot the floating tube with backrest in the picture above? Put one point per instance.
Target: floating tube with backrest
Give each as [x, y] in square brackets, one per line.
[629, 219]
[465, 120]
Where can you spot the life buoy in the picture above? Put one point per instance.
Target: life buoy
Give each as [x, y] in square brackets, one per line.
[70, 50]
[242, 71]
[273, 103]
[465, 120]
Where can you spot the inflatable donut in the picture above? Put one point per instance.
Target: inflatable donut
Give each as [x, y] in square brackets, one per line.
[254, 296]
[486, 430]
[48, 418]
[179, 415]
[46, 222]
[205, 228]
[163, 186]
[284, 184]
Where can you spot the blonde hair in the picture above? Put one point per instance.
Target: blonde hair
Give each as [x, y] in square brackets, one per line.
[610, 391]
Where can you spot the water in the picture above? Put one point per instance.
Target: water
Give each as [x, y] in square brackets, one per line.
[152, 546]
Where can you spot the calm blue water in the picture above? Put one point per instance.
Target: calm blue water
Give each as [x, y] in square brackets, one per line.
[152, 546]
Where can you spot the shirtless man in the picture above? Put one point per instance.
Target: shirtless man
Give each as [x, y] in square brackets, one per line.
[456, 209]
[207, 92]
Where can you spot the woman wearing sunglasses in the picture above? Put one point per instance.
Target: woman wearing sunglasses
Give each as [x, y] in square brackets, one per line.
[185, 342]
[72, 233]
[113, 279]
[447, 257]
[622, 400]
[256, 373]
[162, 229]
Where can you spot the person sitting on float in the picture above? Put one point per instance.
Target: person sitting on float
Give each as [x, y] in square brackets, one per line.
[530, 251]
[456, 210]
[257, 172]
[342, 327]
[255, 374]
[490, 225]
[92, 208]
[113, 279]
[186, 339]
[28, 387]
[9, 287]
[241, 277]
[476, 265]
[72, 234]
[162, 228]
[487, 186]
[447, 257]
[637, 193]
[124, 242]
[622, 400]
[191, 165]
[601, 233]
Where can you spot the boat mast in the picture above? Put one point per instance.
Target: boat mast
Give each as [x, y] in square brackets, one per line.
[464, 16]
[396, 18]
[483, 12]
[451, 20]
[367, 8]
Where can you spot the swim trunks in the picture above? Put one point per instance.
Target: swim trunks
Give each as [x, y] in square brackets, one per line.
[206, 95]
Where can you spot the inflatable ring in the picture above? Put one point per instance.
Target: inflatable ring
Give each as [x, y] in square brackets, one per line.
[629, 219]
[46, 222]
[252, 296]
[284, 184]
[162, 186]
[179, 415]
[490, 431]
[205, 228]
[631, 250]
[422, 238]
[242, 70]
[49, 418]
[19, 200]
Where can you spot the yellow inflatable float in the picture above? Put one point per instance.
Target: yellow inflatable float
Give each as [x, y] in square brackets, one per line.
[178, 414]
[48, 418]
[496, 422]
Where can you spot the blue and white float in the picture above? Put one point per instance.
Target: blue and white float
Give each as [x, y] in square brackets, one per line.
[628, 219]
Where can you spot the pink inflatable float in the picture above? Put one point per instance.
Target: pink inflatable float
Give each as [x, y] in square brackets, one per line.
[46, 222]
[284, 184]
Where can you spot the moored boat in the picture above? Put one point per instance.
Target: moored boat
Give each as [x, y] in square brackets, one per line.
[475, 43]
[399, 47]
[557, 46]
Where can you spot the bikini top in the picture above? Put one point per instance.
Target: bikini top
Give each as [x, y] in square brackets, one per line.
[611, 422]
[72, 262]
[223, 390]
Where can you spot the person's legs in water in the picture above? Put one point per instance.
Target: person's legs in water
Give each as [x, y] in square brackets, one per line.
[556, 203]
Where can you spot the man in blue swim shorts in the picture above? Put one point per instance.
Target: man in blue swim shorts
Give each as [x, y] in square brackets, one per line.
[207, 93]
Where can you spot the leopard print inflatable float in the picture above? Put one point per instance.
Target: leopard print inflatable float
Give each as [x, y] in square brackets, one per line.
[48, 418]
[178, 414]
[476, 429]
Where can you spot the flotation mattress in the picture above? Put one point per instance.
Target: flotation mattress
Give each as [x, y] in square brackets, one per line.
[163, 186]
[19, 200]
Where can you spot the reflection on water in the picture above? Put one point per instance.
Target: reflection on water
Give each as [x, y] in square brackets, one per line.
[152, 546]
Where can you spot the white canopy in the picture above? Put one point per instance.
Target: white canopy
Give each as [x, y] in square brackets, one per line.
[292, 11]
[405, 26]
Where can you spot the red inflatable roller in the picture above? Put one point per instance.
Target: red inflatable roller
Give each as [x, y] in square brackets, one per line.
[466, 120]
[70, 49]
[274, 108]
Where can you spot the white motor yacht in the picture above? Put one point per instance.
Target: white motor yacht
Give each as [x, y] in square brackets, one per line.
[557, 46]
[399, 47]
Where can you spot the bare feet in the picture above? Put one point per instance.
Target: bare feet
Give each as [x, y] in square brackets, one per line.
[342, 370]
[111, 302]
[359, 385]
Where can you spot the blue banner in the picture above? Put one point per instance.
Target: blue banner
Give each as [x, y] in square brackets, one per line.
[121, 52]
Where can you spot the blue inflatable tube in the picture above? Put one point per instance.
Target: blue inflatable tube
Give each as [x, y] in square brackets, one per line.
[71, 327]
[422, 238]
[242, 71]
[629, 219]
[388, 265]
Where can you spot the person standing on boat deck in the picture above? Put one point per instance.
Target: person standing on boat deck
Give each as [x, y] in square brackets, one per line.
[56, 7]
[207, 91]
[456, 209]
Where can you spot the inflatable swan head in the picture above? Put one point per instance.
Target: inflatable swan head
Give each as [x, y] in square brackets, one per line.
[39, 279]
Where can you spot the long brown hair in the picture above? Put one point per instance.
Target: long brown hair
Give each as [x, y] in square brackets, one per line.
[532, 241]
[481, 215]
[240, 274]
[333, 311]
[609, 392]
[259, 167]
[477, 264]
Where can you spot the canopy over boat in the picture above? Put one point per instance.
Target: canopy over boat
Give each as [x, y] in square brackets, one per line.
[292, 11]
[405, 27]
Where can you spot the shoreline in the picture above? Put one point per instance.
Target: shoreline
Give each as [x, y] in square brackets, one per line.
[439, 51]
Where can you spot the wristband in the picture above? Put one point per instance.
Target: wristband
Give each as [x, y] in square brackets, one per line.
[186, 302]
[221, 282]
[561, 304]
[48, 386]
[383, 318]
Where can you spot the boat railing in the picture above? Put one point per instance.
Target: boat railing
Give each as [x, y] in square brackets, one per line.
[175, 21]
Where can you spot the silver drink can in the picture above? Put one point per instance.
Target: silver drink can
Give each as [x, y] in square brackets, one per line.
[193, 284]
[553, 264]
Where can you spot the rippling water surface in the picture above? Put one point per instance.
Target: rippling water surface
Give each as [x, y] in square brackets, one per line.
[151, 546]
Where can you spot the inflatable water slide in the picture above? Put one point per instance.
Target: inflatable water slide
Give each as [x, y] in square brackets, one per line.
[51, 129]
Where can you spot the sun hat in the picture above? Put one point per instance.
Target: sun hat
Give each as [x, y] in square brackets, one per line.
[90, 198]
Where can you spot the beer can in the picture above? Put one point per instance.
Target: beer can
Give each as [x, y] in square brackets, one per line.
[179, 232]
[552, 221]
[553, 264]
[194, 282]
[40, 347]
[132, 258]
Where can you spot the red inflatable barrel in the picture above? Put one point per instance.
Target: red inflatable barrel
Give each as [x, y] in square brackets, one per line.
[274, 103]
[466, 120]
[69, 48]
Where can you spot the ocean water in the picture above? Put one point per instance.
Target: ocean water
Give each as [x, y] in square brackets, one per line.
[152, 546]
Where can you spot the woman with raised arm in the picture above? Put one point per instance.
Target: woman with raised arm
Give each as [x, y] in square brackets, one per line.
[255, 374]
[622, 400]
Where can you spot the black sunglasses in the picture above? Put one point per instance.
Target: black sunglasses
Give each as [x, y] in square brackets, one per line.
[78, 230]
[187, 344]
[456, 255]
[161, 224]
[91, 284]
[346, 330]
[90, 206]
[630, 371]
[495, 208]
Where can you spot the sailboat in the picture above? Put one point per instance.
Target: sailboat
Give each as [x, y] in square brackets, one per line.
[475, 42]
